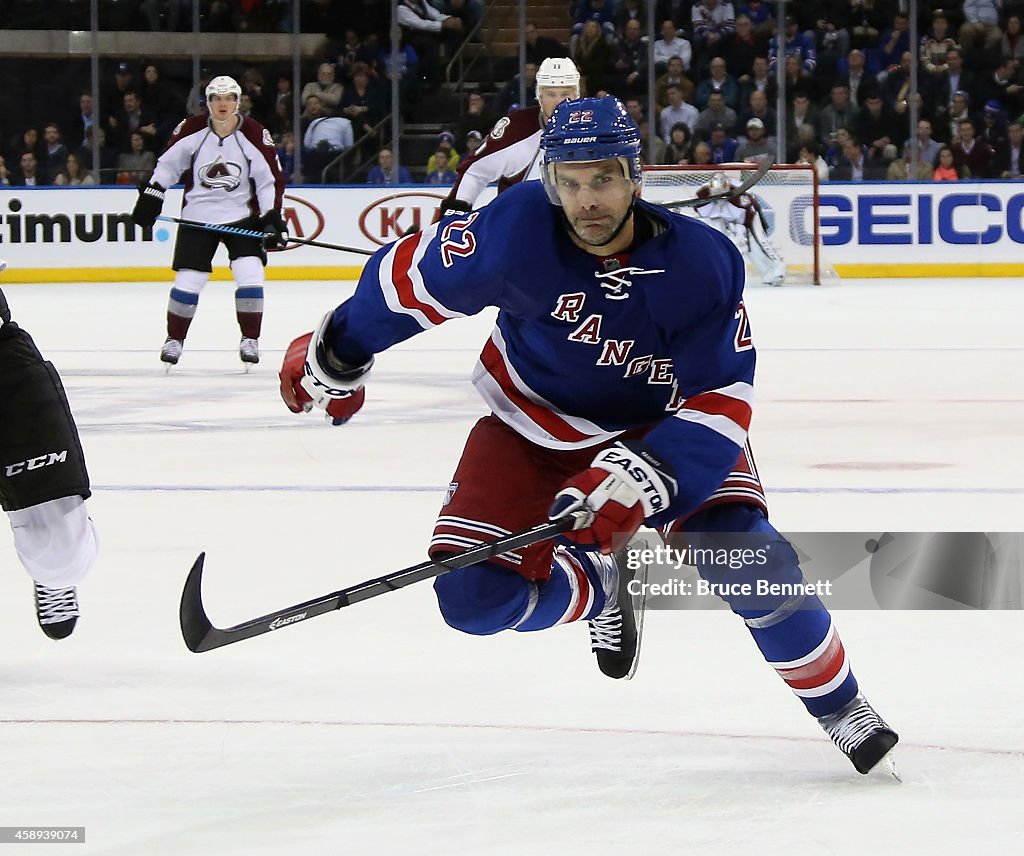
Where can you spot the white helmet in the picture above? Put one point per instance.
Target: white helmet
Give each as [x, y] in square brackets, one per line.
[558, 71]
[720, 183]
[223, 85]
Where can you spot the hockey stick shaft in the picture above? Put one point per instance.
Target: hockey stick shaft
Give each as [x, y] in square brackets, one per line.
[252, 233]
[200, 634]
[748, 182]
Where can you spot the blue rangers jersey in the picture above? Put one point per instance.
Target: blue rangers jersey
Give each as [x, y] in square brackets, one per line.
[584, 348]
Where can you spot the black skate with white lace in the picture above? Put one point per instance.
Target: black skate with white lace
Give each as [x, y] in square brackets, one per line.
[615, 632]
[862, 735]
[57, 610]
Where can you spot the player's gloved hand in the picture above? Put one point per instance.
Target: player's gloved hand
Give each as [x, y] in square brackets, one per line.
[148, 205]
[275, 232]
[625, 485]
[451, 205]
[312, 375]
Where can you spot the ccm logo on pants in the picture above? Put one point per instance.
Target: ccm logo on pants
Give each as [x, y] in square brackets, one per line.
[36, 463]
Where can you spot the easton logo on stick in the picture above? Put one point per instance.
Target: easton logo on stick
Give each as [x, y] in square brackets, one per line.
[284, 622]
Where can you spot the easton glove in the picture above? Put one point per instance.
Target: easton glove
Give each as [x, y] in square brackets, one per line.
[625, 485]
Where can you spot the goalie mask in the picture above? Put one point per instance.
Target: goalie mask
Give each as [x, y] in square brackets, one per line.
[719, 183]
[585, 130]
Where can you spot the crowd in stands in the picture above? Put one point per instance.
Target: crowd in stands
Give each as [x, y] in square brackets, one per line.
[846, 84]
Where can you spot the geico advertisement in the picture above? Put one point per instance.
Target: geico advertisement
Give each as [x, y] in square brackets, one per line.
[872, 222]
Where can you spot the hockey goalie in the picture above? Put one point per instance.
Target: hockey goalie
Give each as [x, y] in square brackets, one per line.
[740, 217]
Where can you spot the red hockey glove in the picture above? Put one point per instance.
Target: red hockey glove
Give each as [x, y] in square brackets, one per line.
[624, 486]
[312, 375]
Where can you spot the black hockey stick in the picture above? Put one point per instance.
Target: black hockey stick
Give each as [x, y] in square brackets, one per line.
[252, 233]
[750, 181]
[200, 635]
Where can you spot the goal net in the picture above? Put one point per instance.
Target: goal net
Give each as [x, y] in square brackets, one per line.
[788, 194]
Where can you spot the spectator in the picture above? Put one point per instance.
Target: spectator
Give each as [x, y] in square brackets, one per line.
[899, 169]
[630, 60]
[758, 109]
[760, 15]
[262, 102]
[601, 11]
[838, 114]
[867, 20]
[354, 50]
[474, 139]
[852, 163]
[425, 29]
[973, 157]
[718, 81]
[652, 147]
[441, 174]
[811, 154]
[5, 173]
[137, 164]
[831, 34]
[723, 146]
[131, 117]
[758, 80]
[801, 112]
[958, 113]
[324, 139]
[29, 174]
[112, 94]
[676, 111]
[713, 23]
[364, 102]
[478, 117]
[757, 147]
[702, 154]
[382, 173]
[28, 141]
[679, 149]
[73, 174]
[286, 156]
[935, 45]
[998, 85]
[509, 94]
[108, 154]
[946, 170]
[283, 91]
[593, 57]
[325, 87]
[161, 101]
[993, 124]
[55, 153]
[540, 48]
[714, 114]
[630, 10]
[84, 118]
[467, 11]
[407, 69]
[928, 148]
[1013, 43]
[877, 125]
[446, 144]
[956, 79]
[1008, 162]
[895, 41]
[853, 72]
[796, 44]
[635, 109]
[669, 45]
[674, 75]
[981, 25]
[796, 79]
[739, 52]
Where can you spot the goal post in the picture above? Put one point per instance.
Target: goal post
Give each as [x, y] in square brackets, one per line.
[789, 197]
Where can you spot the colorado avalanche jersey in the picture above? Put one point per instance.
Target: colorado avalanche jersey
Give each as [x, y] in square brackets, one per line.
[510, 153]
[584, 348]
[226, 180]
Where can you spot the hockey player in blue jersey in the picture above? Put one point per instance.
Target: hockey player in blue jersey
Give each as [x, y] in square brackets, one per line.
[619, 378]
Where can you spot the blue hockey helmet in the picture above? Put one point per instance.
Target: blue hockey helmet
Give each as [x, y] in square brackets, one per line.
[589, 129]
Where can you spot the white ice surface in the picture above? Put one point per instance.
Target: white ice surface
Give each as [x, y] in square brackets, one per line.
[881, 406]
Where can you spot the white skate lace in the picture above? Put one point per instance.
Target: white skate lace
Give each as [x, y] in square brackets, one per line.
[850, 727]
[55, 604]
[606, 630]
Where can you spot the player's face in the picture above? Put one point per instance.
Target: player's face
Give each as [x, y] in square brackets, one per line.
[596, 198]
[552, 96]
[222, 106]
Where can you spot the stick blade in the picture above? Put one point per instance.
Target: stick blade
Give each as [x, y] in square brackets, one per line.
[196, 628]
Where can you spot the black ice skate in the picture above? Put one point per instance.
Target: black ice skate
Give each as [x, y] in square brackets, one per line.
[616, 631]
[57, 610]
[861, 734]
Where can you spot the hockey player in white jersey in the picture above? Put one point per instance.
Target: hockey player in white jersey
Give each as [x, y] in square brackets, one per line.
[231, 173]
[43, 480]
[740, 217]
[619, 378]
[510, 153]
